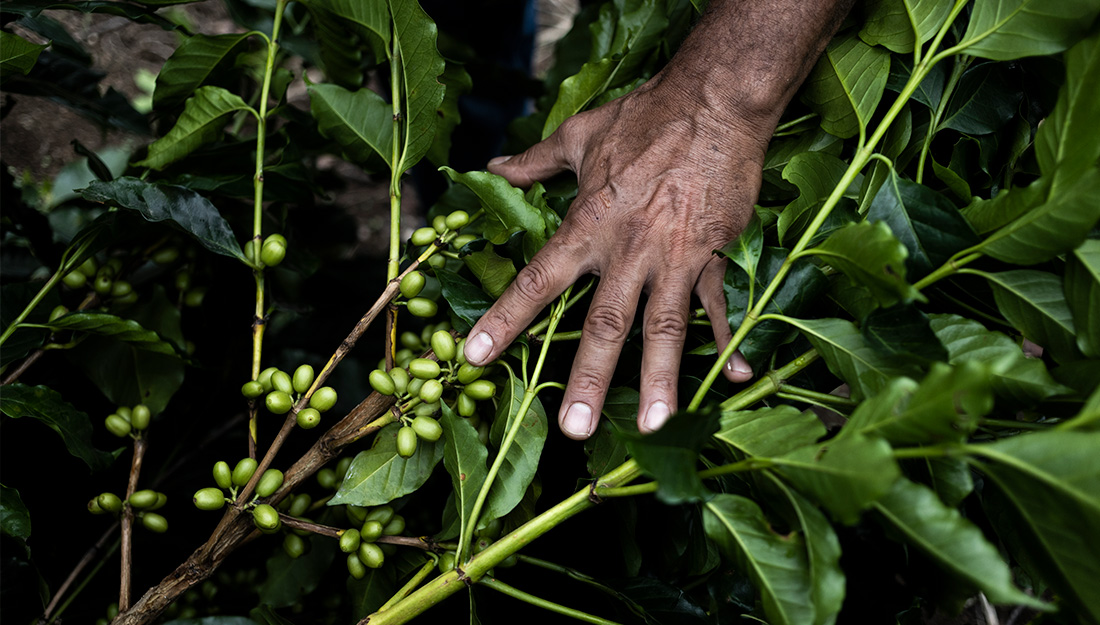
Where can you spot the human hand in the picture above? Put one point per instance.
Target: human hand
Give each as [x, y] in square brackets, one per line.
[662, 184]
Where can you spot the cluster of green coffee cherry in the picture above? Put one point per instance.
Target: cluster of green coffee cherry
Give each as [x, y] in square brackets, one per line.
[102, 279]
[267, 253]
[360, 544]
[419, 388]
[284, 390]
[128, 421]
[143, 502]
[264, 515]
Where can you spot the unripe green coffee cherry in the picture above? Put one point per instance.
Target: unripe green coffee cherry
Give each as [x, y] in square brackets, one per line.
[193, 297]
[468, 373]
[128, 299]
[109, 502]
[251, 249]
[140, 417]
[166, 255]
[142, 499]
[371, 531]
[265, 517]
[274, 250]
[382, 514]
[481, 544]
[102, 284]
[460, 351]
[281, 381]
[491, 529]
[439, 223]
[161, 500]
[509, 562]
[422, 307]
[349, 540]
[426, 410]
[117, 425]
[382, 382]
[403, 357]
[437, 261]
[371, 555]
[326, 479]
[342, 467]
[447, 562]
[465, 405]
[356, 515]
[443, 344]
[395, 526]
[183, 280]
[303, 378]
[294, 546]
[209, 499]
[323, 399]
[121, 288]
[480, 389]
[223, 475]
[154, 522]
[59, 311]
[423, 236]
[457, 220]
[252, 389]
[424, 368]
[278, 402]
[400, 379]
[415, 385]
[308, 418]
[431, 391]
[88, 267]
[125, 412]
[244, 470]
[112, 611]
[269, 482]
[406, 442]
[463, 240]
[411, 340]
[265, 378]
[113, 266]
[93, 506]
[300, 504]
[427, 428]
[75, 280]
[355, 566]
[413, 283]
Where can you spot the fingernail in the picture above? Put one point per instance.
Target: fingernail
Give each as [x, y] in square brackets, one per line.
[577, 420]
[478, 348]
[656, 416]
[500, 159]
[738, 364]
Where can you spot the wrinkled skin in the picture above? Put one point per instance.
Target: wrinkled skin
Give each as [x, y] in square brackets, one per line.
[661, 186]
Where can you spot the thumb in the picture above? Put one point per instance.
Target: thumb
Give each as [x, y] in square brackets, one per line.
[541, 161]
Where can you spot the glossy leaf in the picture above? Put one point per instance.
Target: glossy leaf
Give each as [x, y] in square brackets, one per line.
[492, 270]
[903, 332]
[815, 174]
[606, 450]
[414, 35]
[1034, 303]
[983, 101]
[106, 324]
[670, 455]
[379, 475]
[289, 580]
[202, 121]
[745, 250]
[15, 519]
[360, 121]
[769, 432]
[161, 202]
[780, 152]
[46, 405]
[457, 82]
[464, 458]
[952, 541]
[1082, 288]
[777, 564]
[507, 211]
[930, 90]
[192, 64]
[901, 25]
[846, 85]
[577, 91]
[467, 301]
[373, 16]
[1010, 29]
[522, 460]
[869, 254]
[17, 54]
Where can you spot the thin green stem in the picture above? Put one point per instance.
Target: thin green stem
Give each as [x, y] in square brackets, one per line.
[951, 267]
[627, 491]
[924, 452]
[794, 392]
[770, 383]
[781, 129]
[31, 306]
[412, 584]
[545, 604]
[742, 466]
[956, 72]
[1016, 425]
[541, 326]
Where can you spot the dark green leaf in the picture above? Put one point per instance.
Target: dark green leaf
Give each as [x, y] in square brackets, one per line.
[780, 152]
[982, 102]
[605, 449]
[204, 116]
[457, 82]
[47, 405]
[414, 35]
[522, 460]
[17, 54]
[106, 324]
[289, 580]
[846, 85]
[161, 202]
[192, 64]
[671, 454]
[1082, 287]
[372, 16]
[869, 254]
[507, 211]
[928, 92]
[951, 541]
[492, 270]
[371, 592]
[467, 301]
[1010, 29]
[1034, 303]
[15, 519]
[903, 332]
[464, 458]
[360, 121]
[379, 475]
[132, 12]
[769, 432]
[815, 174]
[745, 250]
[901, 25]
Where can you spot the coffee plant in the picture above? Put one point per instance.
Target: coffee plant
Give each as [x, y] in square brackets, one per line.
[258, 426]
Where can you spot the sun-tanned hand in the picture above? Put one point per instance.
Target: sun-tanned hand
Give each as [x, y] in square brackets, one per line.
[667, 174]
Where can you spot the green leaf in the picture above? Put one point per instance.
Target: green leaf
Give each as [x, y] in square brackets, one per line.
[815, 174]
[507, 211]
[951, 541]
[370, 593]
[414, 35]
[777, 564]
[522, 460]
[372, 16]
[901, 25]
[745, 250]
[47, 405]
[360, 121]
[780, 152]
[903, 332]
[162, 202]
[670, 455]
[492, 270]
[846, 85]
[15, 519]
[1052, 480]
[289, 580]
[457, 82]
[17, 54]
[1009, 29]
[869, 254]
[106, 324]
[769, 432]
[983, 101]
[193, 63]
[577, 91]
[845, 475]
[202, 121]
[379, 475]
[606, 450]
[1082, 288]
[1034, 303]
[464, 458]
[467, 301]
[1018, 378]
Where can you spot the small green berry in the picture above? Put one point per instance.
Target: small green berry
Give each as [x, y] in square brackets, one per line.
[154, 522]
[269, 482]
[323, 399]
[371, 555]
[223, 475]
[406, 442]
[424, 368]
[300, 504]
[349, 540]
[75, 280]
[244, 470]
[480, 389]
[252, 389]
[303, 378]
[431, 391]
[209, 499]
[400, 379]
[427, 428]
[443, 344]
[278, 402]
[422, 307]
[265, 517]
[265, 378]
[140, 417]
[468, 373]
[439, 223]
[294, 545]
[281, 381]
[308, 418]
[423, 236]
[465, 405]
[412, 284]
[117, 425]
[457, 220]
[371, 531]
[382, 382]
[109, 502]
[142, 499]
[355, 566]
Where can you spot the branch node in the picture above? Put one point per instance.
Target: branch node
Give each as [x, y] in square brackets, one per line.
[593, 496]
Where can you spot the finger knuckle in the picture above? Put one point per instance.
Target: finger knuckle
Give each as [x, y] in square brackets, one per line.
[666, 326]
[534, 281]
[661, 383]
[607, 323]
[587, 383]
